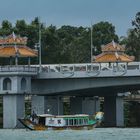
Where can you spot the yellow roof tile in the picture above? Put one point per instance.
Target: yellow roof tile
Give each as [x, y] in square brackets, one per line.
[22, 51]
[104, 57]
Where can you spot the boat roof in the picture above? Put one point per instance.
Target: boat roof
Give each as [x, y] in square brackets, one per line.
[63, 116]
[45, 115]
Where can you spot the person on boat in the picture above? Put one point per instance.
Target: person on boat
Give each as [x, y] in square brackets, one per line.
[33, 117]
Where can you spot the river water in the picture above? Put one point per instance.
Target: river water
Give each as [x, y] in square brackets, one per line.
[95, 134]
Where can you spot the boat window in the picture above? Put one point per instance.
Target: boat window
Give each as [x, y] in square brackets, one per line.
[71, 122]
[85, 121]
[80, 121]
[42, 120]
[67, 121]
[75, 121]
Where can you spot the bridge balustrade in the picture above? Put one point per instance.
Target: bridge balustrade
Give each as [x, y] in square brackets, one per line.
[93, 69]
[90, 69]
[18, 68]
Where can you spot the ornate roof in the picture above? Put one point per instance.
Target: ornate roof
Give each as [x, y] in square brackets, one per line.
[113, 52]
[112, 57]
[13, 39]
[113, 47]
[13, 45]
[22, 51]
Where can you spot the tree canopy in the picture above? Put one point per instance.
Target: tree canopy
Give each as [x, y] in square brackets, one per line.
[67, 44]
[132, 40]
[103, 33]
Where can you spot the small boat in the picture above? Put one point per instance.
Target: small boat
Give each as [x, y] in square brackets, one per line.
[62, 122]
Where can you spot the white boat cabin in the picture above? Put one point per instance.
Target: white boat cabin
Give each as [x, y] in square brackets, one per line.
[65, 120]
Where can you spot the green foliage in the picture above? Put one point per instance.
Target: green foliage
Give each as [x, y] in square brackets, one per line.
[103, 33]
[133, 38]
[133, 46]
[66, 106]
[6, 28]
[66, 44]
[127, 114]
[21, 28]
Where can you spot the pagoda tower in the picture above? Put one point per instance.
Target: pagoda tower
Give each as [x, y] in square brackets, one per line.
[14, 46]
[15, 81]
[113, 52]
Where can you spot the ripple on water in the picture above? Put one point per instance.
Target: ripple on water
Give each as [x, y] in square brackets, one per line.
[95, 134]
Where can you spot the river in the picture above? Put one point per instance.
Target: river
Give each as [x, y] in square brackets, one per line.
[95, 134]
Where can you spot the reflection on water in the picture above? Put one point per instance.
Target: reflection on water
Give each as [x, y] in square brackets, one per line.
[95, 134]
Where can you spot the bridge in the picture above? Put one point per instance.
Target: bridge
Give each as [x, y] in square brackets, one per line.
[83, 83]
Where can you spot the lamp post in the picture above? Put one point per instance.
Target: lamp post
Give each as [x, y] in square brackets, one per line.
[38, 47]
[40, 60]
[91, 43]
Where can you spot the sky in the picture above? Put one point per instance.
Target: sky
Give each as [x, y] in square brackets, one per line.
[72, 12]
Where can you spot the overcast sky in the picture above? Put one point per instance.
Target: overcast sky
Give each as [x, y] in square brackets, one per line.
[72, 12]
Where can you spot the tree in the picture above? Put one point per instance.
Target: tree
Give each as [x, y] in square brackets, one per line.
[50, 43]
[133, 38]
[103, 33]
[67, 44]
[21, 28]
[74, 43]
[6, 28]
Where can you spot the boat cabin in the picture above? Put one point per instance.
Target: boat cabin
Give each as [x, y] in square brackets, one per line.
[66, 120]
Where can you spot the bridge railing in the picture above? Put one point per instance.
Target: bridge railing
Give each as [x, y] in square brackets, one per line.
[83, 67]
[19, 68]
[92, 67]
[70, 67]
[77, 70]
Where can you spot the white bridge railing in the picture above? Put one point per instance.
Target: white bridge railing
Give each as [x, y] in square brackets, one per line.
[18, 68]
[89, 69]
[93, 69]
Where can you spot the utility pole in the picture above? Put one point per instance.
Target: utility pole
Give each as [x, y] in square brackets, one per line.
[40, 61]
[91, 43]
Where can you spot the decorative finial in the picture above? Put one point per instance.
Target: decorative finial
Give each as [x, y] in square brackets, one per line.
[114, 45]
[14, 36]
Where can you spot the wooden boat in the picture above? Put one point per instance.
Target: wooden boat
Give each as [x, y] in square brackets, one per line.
[53, 122]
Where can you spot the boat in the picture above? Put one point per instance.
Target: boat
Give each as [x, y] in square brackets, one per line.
[62, 122]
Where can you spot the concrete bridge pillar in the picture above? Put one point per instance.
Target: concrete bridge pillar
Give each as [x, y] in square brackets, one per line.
[113, 109]
[49, 105]
[86, 105]
[13, 108]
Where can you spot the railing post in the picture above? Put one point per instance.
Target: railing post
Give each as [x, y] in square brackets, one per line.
[73, 68]
[91, 67]
[60, 68]
[126, 67]
[99, 66]
[48, 69]
[86, 67]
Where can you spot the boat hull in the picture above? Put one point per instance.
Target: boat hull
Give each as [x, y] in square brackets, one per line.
[32, 126]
